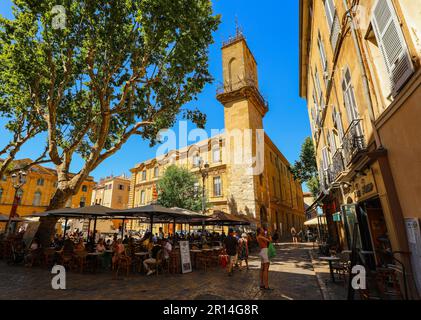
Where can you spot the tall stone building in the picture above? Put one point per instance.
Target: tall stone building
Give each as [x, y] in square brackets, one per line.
[247, 172]
[360, 72]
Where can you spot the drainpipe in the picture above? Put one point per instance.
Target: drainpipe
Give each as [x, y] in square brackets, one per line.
[364, 77]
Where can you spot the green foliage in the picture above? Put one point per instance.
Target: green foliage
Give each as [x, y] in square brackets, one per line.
[305, 169]
[118, 68]
[178, 187]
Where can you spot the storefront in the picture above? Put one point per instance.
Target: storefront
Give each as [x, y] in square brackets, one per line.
[363, 208]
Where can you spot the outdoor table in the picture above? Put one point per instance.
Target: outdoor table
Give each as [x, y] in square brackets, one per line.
[94, 256]
[141, 256]
[330, 260]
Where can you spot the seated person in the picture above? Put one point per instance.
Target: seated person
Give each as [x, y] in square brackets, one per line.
[153, 255]
[80, 246]
[167, 249]
[100, 247]
[119, 250]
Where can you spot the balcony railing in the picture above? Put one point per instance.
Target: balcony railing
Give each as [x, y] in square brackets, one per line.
[233, 86]
[353, 142]
[338, 165]
[243, 83]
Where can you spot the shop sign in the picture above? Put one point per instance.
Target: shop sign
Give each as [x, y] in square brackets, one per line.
[319, 211]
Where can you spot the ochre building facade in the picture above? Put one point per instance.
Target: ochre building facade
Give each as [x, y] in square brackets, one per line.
[36, 193]
[360, 73]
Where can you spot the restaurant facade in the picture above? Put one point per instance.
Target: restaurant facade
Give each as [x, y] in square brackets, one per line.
[360, 74]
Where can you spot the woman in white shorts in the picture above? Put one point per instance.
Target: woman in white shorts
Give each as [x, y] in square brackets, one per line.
[263, 242]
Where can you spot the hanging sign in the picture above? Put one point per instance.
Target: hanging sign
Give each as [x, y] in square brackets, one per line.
[185, 257]
[336, 217]
[319, 211]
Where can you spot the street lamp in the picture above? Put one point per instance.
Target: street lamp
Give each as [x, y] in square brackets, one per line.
[18, 180]
[204, 171]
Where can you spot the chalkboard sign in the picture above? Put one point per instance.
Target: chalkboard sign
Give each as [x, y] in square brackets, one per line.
[30, 232]
[185, 257]
[414, 241]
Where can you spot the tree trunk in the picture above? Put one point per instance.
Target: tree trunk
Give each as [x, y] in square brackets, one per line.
[47, 224]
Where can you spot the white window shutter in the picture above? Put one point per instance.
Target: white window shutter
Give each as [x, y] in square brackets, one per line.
[325, 159]
[339, 125]
[392, 44]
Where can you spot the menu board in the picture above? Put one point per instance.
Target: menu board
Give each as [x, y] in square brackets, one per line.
[185, 257]
[413, 232]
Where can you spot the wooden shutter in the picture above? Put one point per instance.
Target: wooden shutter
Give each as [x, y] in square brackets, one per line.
[330, 12]
[325, 158]
[339, 126]
[392, 44]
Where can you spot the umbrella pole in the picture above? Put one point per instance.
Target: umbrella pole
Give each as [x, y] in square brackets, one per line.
[94, 233]
[173, 227]
[89, 230]
[151, 221]
[122, 229]
[65, 227]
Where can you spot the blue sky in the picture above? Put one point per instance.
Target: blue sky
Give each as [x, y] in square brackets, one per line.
[271, 30]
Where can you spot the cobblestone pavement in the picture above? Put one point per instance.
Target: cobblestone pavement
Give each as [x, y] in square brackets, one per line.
[291, 275]
[330, 290]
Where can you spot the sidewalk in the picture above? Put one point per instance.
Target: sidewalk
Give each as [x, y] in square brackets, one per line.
[330, 290]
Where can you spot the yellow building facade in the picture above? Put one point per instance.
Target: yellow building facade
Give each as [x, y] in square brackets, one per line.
[112, 192]
[360, 74]
[247, 172]
[35, 194]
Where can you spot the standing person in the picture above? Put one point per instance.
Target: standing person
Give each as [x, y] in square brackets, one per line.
[160, 234]
[231, 247]
[263, 242]
[243, 250]
[294, 235]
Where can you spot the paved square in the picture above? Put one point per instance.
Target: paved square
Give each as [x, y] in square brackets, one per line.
[291, 275]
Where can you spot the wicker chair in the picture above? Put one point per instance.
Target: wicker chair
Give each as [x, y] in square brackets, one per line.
[80, 261]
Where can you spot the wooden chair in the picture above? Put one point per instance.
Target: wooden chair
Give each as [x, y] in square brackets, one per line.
[342, 267]
[49, 256]
[123, 262]
[203, 260]
[80, 261]
[174, 262]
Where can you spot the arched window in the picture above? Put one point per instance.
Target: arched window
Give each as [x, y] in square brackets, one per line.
[37, 199]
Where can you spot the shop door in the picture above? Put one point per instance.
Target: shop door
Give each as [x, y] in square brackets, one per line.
[366, 237]
[349, 217]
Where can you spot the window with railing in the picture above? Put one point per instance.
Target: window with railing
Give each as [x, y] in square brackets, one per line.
[353, 141]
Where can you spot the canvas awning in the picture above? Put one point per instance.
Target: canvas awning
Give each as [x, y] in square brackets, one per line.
[221, 218]
[315, 221]
[89, 212]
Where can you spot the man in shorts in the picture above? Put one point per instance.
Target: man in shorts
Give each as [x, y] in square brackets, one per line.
[231, 247]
